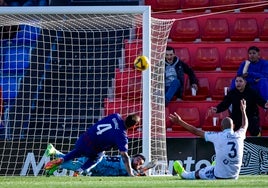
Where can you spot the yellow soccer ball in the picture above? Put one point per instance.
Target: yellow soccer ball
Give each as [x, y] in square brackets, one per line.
[141, 63]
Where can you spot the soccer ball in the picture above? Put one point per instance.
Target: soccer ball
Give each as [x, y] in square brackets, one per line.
[141, 63]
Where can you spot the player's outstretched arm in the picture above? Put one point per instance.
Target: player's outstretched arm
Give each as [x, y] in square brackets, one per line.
[175, 118]
[126, 161]
[243, 106]
[144, 169]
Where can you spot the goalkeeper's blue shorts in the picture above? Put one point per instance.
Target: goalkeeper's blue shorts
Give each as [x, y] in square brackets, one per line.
[110, 166]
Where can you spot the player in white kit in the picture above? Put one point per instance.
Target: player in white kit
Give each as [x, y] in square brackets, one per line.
[228, 145]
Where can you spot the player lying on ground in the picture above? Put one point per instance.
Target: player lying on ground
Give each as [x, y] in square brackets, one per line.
[108, 165]
[228, 145]
[110, 132]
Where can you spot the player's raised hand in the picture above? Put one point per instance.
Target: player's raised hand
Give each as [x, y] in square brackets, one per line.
[266, 104]
[243, 105]
[212, 110]
[175, 118]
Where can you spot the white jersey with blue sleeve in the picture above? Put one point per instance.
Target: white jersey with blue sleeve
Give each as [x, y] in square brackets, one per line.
[228, 146]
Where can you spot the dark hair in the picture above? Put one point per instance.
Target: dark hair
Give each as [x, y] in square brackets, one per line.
[132, 120]
[140, 155]
[240, 75]
[170, 48]
[137, 155]
[254, 48]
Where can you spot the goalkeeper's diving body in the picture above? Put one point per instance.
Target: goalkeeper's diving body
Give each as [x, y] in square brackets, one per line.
[228, 145]
[108, 165]
[109, 132]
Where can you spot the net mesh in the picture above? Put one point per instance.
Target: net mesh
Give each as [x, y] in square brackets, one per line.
[63, 72]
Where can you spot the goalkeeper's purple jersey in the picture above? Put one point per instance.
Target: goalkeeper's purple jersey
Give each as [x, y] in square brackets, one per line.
[107, 133]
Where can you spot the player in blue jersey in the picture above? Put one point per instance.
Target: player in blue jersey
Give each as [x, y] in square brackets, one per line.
[255, 70]
[108, 165]
[107, 133]
[228, 145]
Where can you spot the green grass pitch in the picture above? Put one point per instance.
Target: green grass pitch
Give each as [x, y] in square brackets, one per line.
[255, 181]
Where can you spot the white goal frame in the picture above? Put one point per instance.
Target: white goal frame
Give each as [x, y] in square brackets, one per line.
[146, 46]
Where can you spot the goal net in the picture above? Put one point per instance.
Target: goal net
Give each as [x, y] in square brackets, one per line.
[64, 68]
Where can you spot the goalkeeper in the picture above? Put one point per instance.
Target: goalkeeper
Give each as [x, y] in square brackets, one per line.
[107, 133]
[108, 165]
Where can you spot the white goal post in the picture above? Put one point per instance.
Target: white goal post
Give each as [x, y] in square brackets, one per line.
[64, 68]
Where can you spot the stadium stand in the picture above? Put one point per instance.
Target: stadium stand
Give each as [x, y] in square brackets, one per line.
[185, 30]
[74, 66]
[233, 56]
[242, 26]
[206, 5]
[163, 5]
[132, 49]
[209, 125]
[244, 29]
[203, 89]
[263, 121]
[222, 80]
[128, 84]
[195, 6]
[200, 109]
[102, 3]
[115, 106]
[200, 41]
[263, 29]
[252, 5]
[16, 53]
[223, 5]
[215, 29]
[189, 112]
[228, 35]
[206, 58]
[222, 55]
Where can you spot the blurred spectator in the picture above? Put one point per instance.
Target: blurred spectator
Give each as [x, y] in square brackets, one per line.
[8, 31]
[255, 70]
[174, 75]
[233, 98]
[27, 2]
[3, 3]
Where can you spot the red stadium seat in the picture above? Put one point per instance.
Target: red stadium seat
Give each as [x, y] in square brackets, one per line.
[215, 29]
[222, 81]
[202, 107]
[189, 107]
[128, 84]
[264, 30]
[208, 122]
[188, 114]
[185, 30]
[163, 5]
[221, 5]
[233, 57]
[264, 52]
[184, 54]
[244, 29]
[168, 121]
[203, 89]
[195, 5]
[263, 121]
[206, 58]
[252, 5]
[124, 107]
[132, 50]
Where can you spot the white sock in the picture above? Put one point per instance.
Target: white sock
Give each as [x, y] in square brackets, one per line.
[188, 175]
